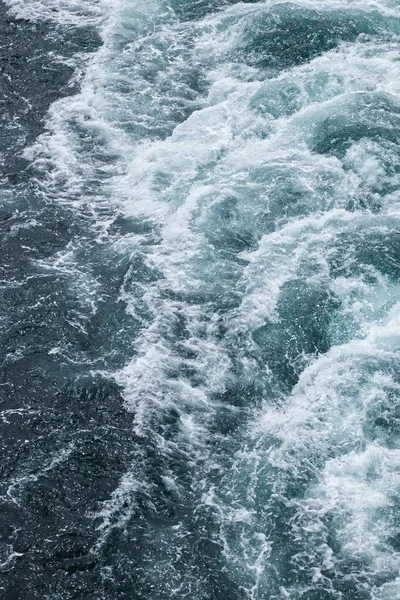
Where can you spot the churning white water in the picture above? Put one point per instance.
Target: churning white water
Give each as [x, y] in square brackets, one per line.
[252, 151]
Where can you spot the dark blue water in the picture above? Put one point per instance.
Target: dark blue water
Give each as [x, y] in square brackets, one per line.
[200, 326]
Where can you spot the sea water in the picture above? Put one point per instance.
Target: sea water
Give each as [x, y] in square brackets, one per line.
[200, 299]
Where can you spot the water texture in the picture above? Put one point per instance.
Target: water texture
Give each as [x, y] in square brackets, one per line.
[200, 278]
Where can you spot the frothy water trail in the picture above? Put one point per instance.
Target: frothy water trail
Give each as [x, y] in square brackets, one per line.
[243, 160]
[65, 12]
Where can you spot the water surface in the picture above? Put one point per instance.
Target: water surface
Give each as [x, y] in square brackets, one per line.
[200, 334]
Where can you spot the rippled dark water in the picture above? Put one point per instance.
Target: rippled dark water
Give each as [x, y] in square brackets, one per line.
[200, 326]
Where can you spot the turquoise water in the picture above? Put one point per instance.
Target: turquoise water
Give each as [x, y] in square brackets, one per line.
[241, 160]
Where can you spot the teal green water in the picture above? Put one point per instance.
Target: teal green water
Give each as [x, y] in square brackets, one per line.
[251, 151]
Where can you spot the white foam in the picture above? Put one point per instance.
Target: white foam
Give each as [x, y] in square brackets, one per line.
[65, 12]
[237, 165]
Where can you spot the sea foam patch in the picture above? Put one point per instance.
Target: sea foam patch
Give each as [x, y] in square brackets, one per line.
[251, 198]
